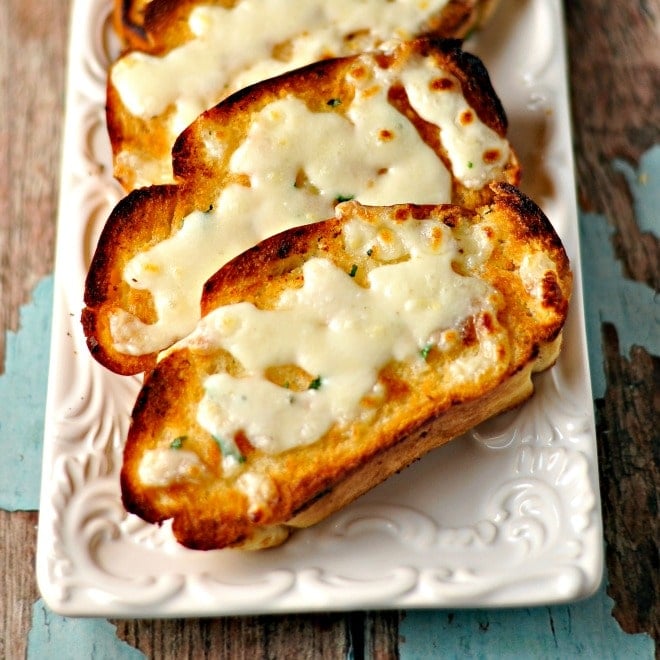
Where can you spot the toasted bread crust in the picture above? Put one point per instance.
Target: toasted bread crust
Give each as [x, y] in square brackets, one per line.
[154, 25]
[128, 22]
[141, 146]
[138, 220]
[420, 410]
[149, 215]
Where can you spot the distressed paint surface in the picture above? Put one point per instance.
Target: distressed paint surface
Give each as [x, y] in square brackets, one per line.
[610, 298]
[585, 629]
[644, 183]
[23, 396]
[53, 636]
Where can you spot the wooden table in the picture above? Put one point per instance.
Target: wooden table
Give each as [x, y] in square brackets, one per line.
[614, 71]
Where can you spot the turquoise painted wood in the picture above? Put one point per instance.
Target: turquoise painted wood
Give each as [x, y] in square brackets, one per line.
[581, 630]
[60, 638]
[22, 401]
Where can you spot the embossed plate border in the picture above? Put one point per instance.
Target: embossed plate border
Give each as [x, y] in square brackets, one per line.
[508, 515]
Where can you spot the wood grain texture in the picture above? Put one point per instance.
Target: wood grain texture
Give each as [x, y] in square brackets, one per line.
[615, 87]
[615, 83]
[18, 590]
[614, 57]
[33, 42]
[629, 459]
[356, 635]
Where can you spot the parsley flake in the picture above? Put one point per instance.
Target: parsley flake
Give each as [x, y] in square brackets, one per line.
[343, 198]
[424, 352]
[315, 384]
[228, 449]
[177, 443]
[353, 270]
[470, 164]
[333, 103]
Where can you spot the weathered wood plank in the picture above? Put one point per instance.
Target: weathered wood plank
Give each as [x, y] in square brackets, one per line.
[615, 84]
[323, 636]
[629, 459]
[335, 635]
[615, 87]
[33, 42]
[18, 590]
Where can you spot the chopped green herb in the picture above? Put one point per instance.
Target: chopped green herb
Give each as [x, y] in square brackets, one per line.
[228, 448]
[177, 443]
[210, 208]
[470, 164]
[353, 270]
[370, 251]
[424, 352]
[344, 198]
[333, 103]
[315, 384]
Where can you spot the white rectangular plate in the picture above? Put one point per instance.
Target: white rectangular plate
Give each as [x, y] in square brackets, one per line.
[507, 515]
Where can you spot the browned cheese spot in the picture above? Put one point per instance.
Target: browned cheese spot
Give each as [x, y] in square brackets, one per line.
[552, 295]
[491, 156]
[486, 322]
[358, 72]
[468, 332]
[441, 84]
[436, 238]
[400, 215]
[466, 117]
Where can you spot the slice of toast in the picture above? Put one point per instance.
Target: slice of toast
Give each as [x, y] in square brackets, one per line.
[188, 55]
[419, 123]
[333, 355]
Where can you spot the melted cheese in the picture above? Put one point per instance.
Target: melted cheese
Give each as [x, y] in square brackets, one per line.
[533, 269]
[215, 61]
[337, 331]
[164, 466]
[371, 153]
[259, 490]
[476, 152]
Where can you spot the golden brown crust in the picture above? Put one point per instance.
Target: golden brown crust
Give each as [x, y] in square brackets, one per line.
[329, 79]
[128, 22]
[157, 27]
[421, 409]
[138, 221]
[147, 216]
